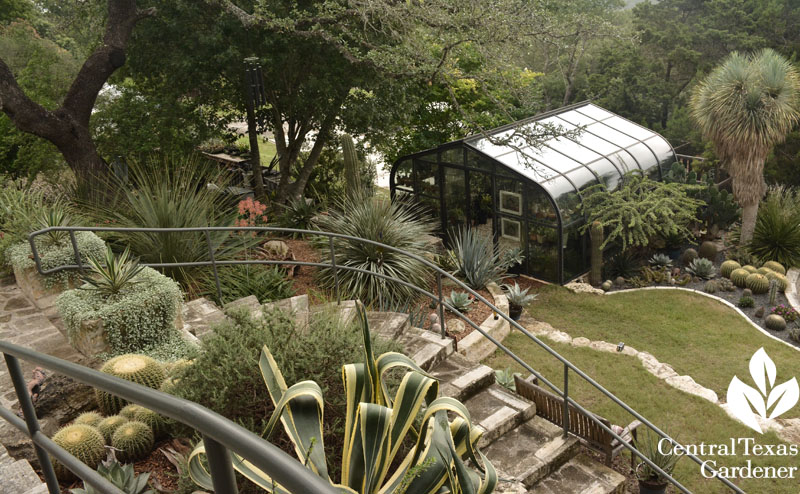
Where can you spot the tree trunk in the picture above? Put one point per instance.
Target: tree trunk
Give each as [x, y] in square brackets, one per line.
[749, 214]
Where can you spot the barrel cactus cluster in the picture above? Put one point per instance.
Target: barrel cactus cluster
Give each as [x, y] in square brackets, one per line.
[128, 428]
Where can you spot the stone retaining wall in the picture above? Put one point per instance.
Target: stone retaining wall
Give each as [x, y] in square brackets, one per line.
[475, 346]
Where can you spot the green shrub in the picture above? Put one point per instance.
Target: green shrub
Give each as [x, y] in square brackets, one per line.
[746, 302]
[267, 283]
[478, 259]
[173, 193]
[298, 214]
[54, 255]
[140, 316]
[225, 376]
[640, 209]
[776, 236]
[398, 224]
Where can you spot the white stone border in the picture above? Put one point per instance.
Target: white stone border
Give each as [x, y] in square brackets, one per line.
[718, 299]
[477, 347]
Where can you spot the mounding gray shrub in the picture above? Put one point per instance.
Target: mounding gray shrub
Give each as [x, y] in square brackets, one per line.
[140, 316]
[53, 255]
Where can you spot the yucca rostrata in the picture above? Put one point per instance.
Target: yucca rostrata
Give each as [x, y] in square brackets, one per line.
[377, 423]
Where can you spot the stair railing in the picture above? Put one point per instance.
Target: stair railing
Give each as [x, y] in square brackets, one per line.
[437, 298]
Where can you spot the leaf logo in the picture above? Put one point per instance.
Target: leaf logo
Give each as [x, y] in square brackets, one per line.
[747, 402]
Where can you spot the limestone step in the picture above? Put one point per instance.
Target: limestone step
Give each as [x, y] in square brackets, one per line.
[5, 458]
[250, 302]
[497, 411]
[389, 325]
[581, 475]
[297, 305]
[18, 477]
[346, 310]
[199, 315]
[40, 489]
[531, 451]
[424, 347]
[461, 378]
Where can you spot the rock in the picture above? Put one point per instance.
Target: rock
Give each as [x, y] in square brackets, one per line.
[604, 346]
[276, 248]
[582, 288]
[581, 341]
[619, 281]
[61, 399]
[759, 312]
[688, 385]
[456, 326]
[560, 337]
[511, 487]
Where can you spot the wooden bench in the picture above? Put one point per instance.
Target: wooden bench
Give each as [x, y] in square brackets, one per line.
[551, 407]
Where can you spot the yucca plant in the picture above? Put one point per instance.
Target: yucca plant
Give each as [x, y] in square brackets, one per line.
[267, 283]
[702, 268]
[377, 423]
[110, 275]
[299, 214]
[395, 223]
[122, 476]
[173, 193]
[477, 258]
[648, 444]
[460, 301]
[660, 261]
[777, 231]
[55, 216]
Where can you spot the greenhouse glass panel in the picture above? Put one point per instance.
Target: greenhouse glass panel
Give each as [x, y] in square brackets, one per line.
[530, 196]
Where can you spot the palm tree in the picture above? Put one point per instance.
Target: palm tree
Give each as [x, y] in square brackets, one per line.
[745, 106]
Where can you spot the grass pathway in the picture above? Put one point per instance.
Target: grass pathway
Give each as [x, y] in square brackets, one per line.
[695, 335]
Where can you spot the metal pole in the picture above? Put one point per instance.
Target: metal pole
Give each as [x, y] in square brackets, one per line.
[75, 248]
[335, 271]
[441, 306]
[29, 412]
[566, 401]
[214, 266]
[219, 461]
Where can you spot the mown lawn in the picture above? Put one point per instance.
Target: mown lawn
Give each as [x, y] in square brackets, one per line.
[689, 419]
[696, 335]
[266, 150]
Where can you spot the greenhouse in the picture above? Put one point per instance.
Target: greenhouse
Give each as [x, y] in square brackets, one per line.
[529, 197]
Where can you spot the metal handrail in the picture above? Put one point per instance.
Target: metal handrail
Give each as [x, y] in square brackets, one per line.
[219, 434]
[439, 300]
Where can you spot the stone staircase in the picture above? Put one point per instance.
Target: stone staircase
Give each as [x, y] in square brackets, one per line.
[530, 454]
[18, 477]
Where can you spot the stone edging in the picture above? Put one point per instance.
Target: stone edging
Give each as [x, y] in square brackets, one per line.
[723, 301]
[475, 346]
[791, 295]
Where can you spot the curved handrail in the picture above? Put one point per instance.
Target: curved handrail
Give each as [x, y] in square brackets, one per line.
[440, 273]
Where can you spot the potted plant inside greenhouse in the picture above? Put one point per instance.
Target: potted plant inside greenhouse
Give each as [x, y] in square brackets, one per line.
[650, 481]
[518, 299]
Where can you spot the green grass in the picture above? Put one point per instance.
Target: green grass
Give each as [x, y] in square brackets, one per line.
[691, 420]
[694, 334]
[266, 150]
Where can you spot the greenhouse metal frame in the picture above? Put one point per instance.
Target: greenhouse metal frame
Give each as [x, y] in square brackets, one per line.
[529, 196]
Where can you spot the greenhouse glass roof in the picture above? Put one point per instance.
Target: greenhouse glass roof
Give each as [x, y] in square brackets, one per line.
[607, 147]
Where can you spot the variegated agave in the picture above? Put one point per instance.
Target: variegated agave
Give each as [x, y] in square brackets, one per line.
[377, 423]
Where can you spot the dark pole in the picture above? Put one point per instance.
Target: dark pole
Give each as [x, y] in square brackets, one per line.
[252, 130]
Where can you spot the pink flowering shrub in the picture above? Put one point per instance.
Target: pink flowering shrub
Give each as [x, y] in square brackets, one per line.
[251, 213]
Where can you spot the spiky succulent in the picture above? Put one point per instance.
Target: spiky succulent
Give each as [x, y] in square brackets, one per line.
[140, 369]
[775, 322]
[134, 440]
[764, 270]
[711, 286]
[708, 250]
[702, 268]
[728, 267]
[739, 277]
[156, 422]
[775, 266]
[688, 256]
[726, 285]
[82, 441]
[122, 476]
[519, 297]
[460, 301]
[758, 283]
[109, 425]
[660, 261]
[110, 275]
[88, 418]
